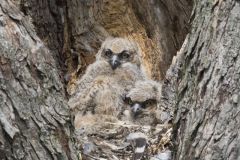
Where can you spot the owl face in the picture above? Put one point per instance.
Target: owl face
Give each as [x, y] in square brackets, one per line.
[119, 52]
[139, 107]
[143, 98]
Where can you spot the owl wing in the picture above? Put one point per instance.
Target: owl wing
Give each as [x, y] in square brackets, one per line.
[85, 84]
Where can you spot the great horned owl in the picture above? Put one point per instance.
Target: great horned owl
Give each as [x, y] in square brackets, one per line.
[143, 110]
[116, 69]
[142, 100]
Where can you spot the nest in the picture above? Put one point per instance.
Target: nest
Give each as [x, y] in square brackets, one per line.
[111, 144]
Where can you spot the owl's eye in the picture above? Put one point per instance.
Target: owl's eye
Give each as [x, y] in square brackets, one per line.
[124, 55]
[108, 53]
[150, 102]
[128, 100]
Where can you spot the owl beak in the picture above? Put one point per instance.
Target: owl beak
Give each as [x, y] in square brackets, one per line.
[136, 109]
[115, 62]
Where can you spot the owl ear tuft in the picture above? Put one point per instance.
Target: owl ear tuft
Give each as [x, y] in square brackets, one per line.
[98, 55]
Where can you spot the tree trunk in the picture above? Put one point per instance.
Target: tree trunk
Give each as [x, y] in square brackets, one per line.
[40, 41]
[34, 116]
[202, 85]
[207, 80]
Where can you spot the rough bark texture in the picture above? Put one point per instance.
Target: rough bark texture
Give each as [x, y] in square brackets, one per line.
[34, 117]
[48, 19]
[207, 80]
[202, 85]
[36, 37]
[166, 24]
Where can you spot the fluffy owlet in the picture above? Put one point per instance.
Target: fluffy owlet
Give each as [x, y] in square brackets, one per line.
[143, 110]
[142, 102]
[115, 71]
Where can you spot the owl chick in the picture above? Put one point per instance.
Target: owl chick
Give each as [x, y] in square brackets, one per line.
[116, 69]
[142, 100]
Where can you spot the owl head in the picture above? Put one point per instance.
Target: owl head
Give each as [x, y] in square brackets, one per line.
[119, 52]
[143, 97]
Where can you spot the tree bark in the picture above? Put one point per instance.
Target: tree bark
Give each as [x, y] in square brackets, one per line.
[38, 37]
[206, 77]
[48, 18]
[34, 116]
[201, 85]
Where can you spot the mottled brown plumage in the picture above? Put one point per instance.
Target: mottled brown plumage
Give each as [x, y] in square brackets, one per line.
[100, 90]
[142, 100]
